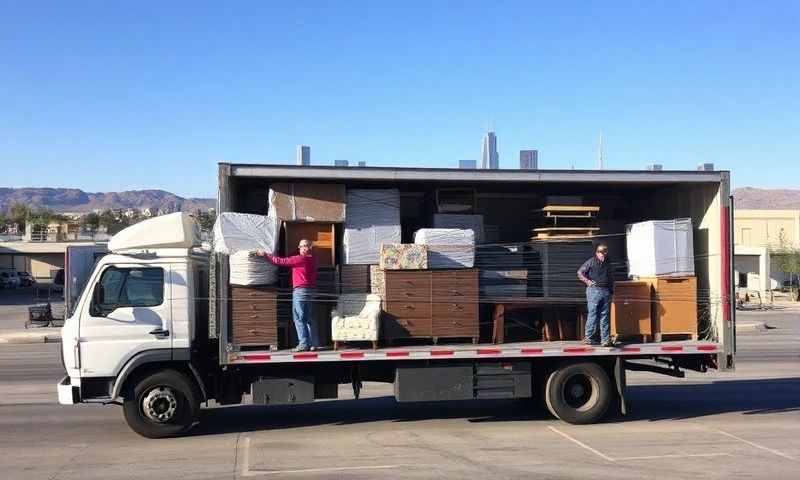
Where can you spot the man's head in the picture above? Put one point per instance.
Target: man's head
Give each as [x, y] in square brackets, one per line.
[305, 247]
[601, 252]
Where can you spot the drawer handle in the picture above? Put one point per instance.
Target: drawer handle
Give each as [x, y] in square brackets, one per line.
[409, 282]
[456, 322]
[252, 306]
[254, 316]
[251, 331]
[458, 307]
[408, 294]
[456, 292]
[408, 307]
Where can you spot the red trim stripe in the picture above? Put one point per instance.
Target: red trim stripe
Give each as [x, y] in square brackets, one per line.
[706, 348]
[352, 355]
[305, 356]
[531, 351]
[257, 357]
[489, 351]
[441, 353]
[398, 354]
[672, 348]
[631, 349]
[578, 349]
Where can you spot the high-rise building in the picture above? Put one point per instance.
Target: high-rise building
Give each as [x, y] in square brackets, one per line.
[362, 163]
[489, 156]
[303, 155]
[529, 159]
[341, 163]
[468, 164]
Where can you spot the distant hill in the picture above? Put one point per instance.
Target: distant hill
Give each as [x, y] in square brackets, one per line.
[75, 200]
[766, 199]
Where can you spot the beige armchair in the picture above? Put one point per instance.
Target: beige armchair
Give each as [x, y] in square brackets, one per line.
[356, 318]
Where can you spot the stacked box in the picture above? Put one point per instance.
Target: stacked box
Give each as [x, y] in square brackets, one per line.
[373, 218]
[404, 256]
[463, 222]
[447, 247]
[306, 202]
[503, 283]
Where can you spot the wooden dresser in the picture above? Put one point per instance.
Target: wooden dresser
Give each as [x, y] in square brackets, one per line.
[431, 304]
[254, 316]
[630, 311]
[674, 307]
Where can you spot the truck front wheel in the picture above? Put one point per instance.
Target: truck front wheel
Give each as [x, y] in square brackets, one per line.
[578, 393]
[162, 404]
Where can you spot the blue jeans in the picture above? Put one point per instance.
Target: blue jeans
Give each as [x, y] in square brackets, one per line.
[303, 315]
[599, 303]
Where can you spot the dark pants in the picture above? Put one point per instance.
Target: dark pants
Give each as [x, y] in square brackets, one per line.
[599, 305]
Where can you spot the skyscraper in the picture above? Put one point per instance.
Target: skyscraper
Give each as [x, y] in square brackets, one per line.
[303, 155]
[468, 164]
[529, 159]
[489, 157]
[341, 163]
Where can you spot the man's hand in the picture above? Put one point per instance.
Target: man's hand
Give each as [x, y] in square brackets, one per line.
[591, 283]
[257, 253]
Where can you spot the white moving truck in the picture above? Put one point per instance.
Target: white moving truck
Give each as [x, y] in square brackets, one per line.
[152, 333]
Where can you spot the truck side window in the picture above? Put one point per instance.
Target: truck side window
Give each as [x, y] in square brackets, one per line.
[133, 287]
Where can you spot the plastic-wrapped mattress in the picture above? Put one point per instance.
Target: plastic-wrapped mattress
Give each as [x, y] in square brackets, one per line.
[236, 234]
[372, 218]
[448, 247]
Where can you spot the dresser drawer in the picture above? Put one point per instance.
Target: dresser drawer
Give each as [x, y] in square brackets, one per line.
[254, 317]
[400, 327]
[254, 293]
[255, 334]
[404, 286]
[455, 320]
[409, 309]
[253, 306]
[455, 285]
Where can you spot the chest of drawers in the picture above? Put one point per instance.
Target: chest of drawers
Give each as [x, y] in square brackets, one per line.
[254, 316]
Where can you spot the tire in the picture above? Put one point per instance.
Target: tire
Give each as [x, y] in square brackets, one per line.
[162, 404]
[579, 393]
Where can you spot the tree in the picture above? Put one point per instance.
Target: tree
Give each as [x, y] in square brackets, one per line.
[19, 214]
[205, 219]
[91, 222]
[787, 258]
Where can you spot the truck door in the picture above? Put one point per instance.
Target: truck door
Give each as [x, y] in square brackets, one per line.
[129, 312]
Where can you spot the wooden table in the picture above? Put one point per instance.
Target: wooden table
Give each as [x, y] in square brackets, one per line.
[554, 326]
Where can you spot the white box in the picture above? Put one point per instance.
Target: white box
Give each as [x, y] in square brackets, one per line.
[660, 248]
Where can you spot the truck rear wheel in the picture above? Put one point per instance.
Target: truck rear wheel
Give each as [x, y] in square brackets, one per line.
[579, 393]
[162, 404]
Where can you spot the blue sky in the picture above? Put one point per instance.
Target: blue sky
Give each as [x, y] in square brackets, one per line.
[109, 96]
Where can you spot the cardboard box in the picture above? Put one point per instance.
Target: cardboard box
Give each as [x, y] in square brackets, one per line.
[306, 202]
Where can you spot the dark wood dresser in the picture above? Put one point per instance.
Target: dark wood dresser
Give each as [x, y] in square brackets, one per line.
[431, 304]
[254, 316]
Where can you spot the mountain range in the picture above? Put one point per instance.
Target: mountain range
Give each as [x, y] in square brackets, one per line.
[63, 200]
[76, 200]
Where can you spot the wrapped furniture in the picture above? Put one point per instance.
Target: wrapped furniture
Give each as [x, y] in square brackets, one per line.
[403, 256]
[236, 234]
[447, 247]
[462, 222]
[372, 219]
[356, 318]
[306, 202]
[660, 247]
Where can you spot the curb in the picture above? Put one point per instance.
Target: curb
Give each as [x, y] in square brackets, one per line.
[751, 326]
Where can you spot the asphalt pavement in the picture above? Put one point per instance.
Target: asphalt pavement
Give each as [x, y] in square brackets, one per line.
[744, 424]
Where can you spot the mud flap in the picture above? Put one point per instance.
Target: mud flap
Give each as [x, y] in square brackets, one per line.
[619, 377]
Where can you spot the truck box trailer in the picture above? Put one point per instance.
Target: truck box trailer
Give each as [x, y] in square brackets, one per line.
[153, 330]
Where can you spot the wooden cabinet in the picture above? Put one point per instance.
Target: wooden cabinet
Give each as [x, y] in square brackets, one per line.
[321, 234]
[431, 304]
[674, 307]
[630, 311]
[254, 316]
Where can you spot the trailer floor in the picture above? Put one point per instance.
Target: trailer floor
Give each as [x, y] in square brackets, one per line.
[471, 351]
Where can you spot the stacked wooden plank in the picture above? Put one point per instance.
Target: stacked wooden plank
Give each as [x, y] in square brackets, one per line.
[566, 221]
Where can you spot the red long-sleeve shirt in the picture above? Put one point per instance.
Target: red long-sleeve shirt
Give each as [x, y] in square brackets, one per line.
[304, 269]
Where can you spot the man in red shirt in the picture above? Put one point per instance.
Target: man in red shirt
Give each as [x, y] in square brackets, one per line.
[304, 282]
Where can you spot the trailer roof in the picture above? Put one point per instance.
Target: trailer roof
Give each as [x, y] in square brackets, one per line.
[471, 175]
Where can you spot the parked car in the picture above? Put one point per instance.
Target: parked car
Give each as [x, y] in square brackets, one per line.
[26, 279]
[10, 279]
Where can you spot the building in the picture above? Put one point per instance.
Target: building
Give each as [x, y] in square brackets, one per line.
[362, 163]
[468, 164]
[529, 159]
[303, 155]
[341, 163]
[41, 259]
[490, 159]
[757, 233]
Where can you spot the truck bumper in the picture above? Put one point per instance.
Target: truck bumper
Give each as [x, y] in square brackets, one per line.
[68, 394]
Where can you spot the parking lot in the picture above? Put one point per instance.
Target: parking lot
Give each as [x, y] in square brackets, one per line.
[733, 425]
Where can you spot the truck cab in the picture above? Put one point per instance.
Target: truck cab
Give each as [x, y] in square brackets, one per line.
[135, 317]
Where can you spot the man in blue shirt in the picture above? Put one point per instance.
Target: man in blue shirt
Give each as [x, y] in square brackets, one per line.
[597, 275]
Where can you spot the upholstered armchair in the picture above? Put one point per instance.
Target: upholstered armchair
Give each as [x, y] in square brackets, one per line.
[356, 318]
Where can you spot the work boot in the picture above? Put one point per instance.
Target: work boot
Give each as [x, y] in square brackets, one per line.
[609, 343]
[300, 348]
